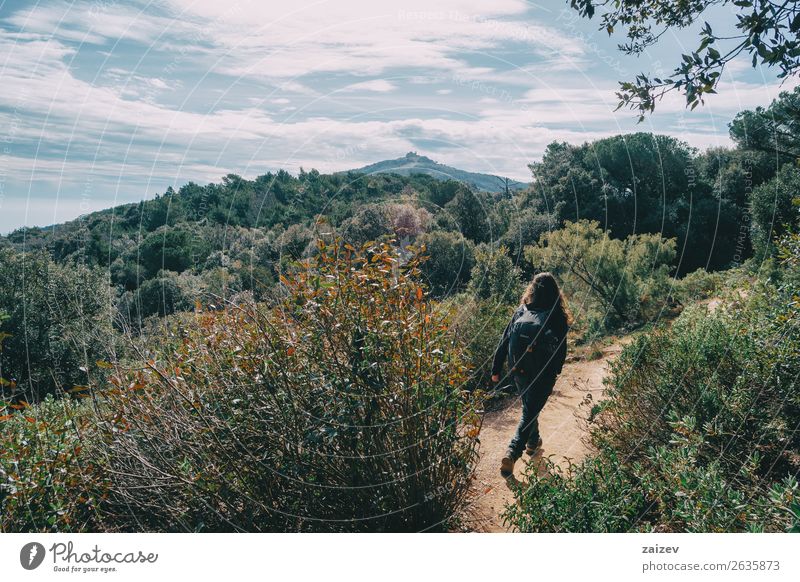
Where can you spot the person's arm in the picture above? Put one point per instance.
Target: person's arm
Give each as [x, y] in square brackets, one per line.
[501, 352]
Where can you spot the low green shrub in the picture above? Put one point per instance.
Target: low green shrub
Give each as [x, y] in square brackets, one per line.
[57, 322]
[620, 282]
[48, 481]
[698, 285]
[669, 491]
[477, 325]
[592, 497]
[494, 278]
[733, 371]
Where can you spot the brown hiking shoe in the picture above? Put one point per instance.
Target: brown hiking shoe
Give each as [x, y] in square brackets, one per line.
[507, 465]
[531, 450]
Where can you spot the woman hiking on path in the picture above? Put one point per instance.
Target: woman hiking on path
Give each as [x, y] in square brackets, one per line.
[535, 344]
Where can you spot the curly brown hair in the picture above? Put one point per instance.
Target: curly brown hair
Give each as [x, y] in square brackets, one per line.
[543, 292]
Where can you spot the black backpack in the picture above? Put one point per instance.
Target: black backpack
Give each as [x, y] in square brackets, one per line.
[532, 345]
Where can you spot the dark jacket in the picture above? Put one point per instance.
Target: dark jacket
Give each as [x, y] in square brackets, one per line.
[556, 323]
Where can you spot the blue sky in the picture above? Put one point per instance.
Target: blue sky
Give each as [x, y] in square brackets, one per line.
[105, 101]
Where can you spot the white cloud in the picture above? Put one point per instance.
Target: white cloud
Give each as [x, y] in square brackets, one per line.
[272, 40]
[98, 22]
[376, 85]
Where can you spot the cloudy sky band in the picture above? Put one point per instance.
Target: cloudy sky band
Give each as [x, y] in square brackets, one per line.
[109, 101]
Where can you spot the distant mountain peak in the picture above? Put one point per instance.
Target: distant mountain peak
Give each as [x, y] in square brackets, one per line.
[414, 156]
[414, 163]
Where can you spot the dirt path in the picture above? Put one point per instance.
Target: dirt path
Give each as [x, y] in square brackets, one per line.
[563, 427]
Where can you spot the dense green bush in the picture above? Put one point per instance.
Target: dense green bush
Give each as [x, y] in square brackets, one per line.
[494, 278]
[449, 264]
[673, 492]
[643, 183]
[48, 482]
[57, 324]
[161, 296]
[471, 214]
[477, 325]
[622, 281]
[732, 370]
[698, 285]
[369, 223]
[525, 228]
[773, 209]
[341, 408]
[171, 249]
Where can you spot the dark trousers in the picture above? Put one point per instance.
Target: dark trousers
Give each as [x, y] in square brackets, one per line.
[534, 395]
